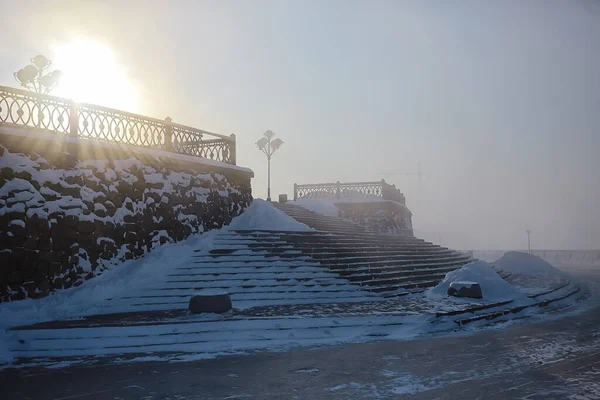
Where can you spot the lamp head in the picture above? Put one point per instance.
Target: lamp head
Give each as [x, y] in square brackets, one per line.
[269, 134]
[40, 61]
[26, 75]
[275, 144]
[262, 143]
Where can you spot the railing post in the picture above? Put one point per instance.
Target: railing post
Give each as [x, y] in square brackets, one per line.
[74, 120]
[338, 189]
[295, 191]
[168, 134]
[232, 149]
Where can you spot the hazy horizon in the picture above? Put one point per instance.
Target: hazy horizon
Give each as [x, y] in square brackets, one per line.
[498, 102]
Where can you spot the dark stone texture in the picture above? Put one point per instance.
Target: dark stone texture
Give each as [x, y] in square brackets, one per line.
[474, 291]
[214, 303]
[385, 217]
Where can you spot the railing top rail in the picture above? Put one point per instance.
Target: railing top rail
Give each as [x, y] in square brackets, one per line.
[336, 183]
[219, 135]
[32, 94]
[115, 111]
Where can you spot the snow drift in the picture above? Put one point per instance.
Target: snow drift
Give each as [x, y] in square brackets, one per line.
[261, 215]
[526, 264]
[493, 287]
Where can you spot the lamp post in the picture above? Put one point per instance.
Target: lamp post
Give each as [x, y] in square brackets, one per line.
[528, 240]
[268, 145]
[34, 76]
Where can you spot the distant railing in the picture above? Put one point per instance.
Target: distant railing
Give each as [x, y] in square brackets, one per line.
[21, 108]
[349, 190]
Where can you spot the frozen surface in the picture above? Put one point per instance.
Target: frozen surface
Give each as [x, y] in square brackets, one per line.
[261, 215]
[493, 287]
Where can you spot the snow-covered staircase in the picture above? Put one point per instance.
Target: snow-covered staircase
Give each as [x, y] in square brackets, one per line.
[379, 263]
[256, 268]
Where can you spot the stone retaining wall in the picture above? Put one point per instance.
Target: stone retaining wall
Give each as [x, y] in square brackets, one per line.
[385, 217]
[69, 210]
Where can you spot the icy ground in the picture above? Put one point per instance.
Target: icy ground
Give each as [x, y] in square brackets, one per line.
[550, 360]
[354, 316]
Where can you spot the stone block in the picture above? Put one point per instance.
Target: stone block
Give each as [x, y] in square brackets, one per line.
[74, 192]
[32, 242]
[16, 241]
[85, 226]
[70, 221]
[7, 173]
[54, 269]
[465, 289]
[86, 240]
[130, 236]
[210, 302]
[45, 244]
[23, 175]
[74, 180]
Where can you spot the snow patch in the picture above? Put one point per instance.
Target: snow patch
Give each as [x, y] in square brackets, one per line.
[493, 287]
[261, 215]
[526, 264]
[210, 292]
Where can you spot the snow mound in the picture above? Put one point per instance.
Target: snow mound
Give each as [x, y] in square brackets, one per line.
[261, 215]
[526, 264]
[493, 287]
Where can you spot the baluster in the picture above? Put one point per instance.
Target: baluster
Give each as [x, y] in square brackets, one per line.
[74, 119]
[168, 134]
[232, 150]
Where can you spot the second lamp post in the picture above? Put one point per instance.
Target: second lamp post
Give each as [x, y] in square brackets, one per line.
[268, 145]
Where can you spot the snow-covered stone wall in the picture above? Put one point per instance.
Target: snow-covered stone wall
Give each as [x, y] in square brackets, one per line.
[384, 217]
[69, 212]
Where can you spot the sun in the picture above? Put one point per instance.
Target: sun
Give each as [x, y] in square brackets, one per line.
[92, 74]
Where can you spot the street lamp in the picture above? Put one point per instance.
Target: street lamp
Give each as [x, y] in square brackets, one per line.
[33, 76]
[268, 145]
[528, 239]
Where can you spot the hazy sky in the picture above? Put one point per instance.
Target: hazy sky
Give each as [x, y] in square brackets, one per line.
[498, 101]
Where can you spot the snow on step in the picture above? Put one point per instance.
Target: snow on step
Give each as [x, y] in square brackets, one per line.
[200, 337]
[252, 277]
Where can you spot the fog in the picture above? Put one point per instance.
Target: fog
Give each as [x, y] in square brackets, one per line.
[499, 103]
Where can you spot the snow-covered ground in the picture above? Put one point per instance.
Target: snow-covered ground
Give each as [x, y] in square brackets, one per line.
[156, 282]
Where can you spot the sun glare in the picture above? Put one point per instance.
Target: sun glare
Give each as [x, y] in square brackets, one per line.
[92, 74]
